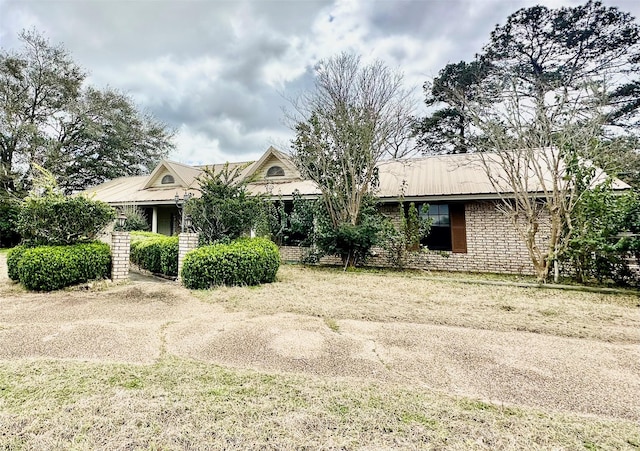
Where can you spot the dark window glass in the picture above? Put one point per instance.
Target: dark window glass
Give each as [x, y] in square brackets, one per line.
[275, 171]
[167, 180]
[439, 238]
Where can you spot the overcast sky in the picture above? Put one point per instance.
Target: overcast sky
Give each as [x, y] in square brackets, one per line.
[219, 72]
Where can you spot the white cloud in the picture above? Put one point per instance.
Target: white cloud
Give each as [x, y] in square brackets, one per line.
[214, 70]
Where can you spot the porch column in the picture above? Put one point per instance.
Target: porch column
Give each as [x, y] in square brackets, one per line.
[154, 220]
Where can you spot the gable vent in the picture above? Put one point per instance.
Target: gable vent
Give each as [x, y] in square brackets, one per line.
[275, 171]
[167, 180]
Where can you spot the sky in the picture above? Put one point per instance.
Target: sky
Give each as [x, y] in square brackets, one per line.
[221, 73]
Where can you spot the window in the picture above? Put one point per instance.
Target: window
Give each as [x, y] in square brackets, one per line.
[439, 238]
[275, 171]
[167, 180]
[448, 229]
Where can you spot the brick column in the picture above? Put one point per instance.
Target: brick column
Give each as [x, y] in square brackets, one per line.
[186, 243]
[120, 248]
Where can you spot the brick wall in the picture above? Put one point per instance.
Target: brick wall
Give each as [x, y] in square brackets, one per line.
[120, 248]
[296, 254]
[493, 245]
[186, 243]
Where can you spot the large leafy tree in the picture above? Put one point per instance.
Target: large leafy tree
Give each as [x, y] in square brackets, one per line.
[103, 137]
[49, 117]
[344, 126]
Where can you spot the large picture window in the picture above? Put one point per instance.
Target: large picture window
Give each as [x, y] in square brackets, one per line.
[448, 229]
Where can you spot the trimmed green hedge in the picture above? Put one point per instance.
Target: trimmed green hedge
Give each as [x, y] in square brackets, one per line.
[55, 219]
[47, 268]
[140, 235]
[155, 252]
[13, 260]
[242, 262]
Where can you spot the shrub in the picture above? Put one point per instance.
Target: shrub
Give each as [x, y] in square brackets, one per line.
[13, 262]
[48, 268]
[146, 254]
[169, 256]
[155, 253]
[8, 216]
[225, 210]
[242, 262]
[399, 241]
[604, 236]
[135, 219]
[140, 235]
[352, 242]
[54, 219]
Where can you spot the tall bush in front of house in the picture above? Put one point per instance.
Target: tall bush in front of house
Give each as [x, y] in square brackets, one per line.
[56, 219]
[605, 237]
[241, 262]
[47, 268]
[225, 210]
[58, 233]
[403, 237]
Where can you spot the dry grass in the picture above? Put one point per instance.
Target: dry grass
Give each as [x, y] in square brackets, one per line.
[405, 297]
[179, 402]
[182, 404]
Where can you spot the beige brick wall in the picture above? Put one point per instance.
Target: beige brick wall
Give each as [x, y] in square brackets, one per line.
[186, 243]
[295, 254]
[493, 245]
[120, 248]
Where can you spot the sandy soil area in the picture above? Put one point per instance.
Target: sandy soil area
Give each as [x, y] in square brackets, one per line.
[144, 320]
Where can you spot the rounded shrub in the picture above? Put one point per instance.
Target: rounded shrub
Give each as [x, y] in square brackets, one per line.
[13, 261]
[47, 268]
[242, 262]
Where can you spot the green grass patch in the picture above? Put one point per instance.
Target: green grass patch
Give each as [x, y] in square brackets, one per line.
[332, 324]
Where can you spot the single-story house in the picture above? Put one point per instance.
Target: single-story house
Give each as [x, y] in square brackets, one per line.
[469, 232]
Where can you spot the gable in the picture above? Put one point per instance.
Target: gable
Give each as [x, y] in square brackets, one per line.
[169, 174]
[163, 179]
[273, 167]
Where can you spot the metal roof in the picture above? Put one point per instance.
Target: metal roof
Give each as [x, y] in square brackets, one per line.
[435, 177]
[438, 175]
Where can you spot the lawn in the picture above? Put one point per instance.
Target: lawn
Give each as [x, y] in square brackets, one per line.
[58, 391]
[408, 297]
[183, 404]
